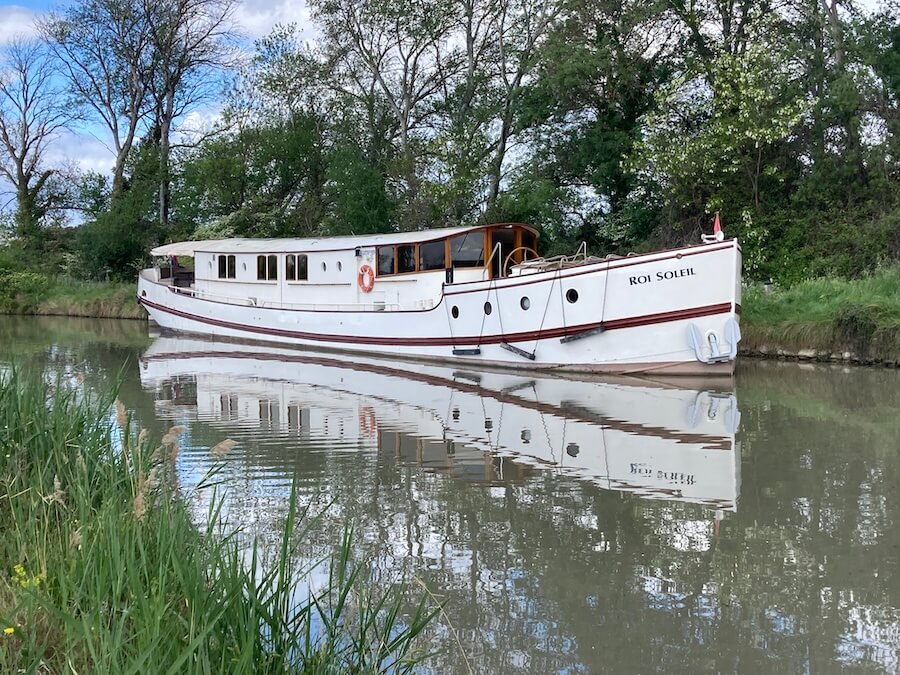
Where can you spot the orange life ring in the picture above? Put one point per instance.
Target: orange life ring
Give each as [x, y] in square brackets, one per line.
[366, 279]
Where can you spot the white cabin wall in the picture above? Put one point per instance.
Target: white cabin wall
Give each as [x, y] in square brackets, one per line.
[332, 281]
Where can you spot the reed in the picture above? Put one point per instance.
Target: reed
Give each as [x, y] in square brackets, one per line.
[106, 573]
[97, 299]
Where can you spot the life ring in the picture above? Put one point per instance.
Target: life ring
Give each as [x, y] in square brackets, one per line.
[366, 279]
[368, 424]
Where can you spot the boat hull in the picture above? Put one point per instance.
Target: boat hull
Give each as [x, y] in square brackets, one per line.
[624, 316]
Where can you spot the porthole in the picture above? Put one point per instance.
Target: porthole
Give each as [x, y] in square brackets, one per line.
[488, 309]
[526, 436]
[456, 414]
[244, 266]
[572, 296]
[324, 266]
[340, 266]
[488, 424]
[572, 449]
[455, 312]
[525, 303]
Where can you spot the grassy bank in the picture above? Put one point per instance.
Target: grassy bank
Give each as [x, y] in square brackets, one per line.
[34, 293]
[104, 572]
[827, 319]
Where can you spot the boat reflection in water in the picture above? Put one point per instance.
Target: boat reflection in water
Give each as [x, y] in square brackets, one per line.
[656, 440]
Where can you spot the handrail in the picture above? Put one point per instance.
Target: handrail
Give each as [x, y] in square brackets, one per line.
[494, 252]
[274, 304]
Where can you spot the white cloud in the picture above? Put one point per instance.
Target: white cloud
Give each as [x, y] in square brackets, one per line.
[85, 151]
[257, 18]
[15, 22]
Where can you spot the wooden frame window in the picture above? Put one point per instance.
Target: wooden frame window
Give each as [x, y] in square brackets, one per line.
[467, 250]
[386, 260]
[406, 259]
[432, 255]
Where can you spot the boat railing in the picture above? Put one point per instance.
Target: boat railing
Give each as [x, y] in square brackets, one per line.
[557, 262]
[376, 306]
[490, 259]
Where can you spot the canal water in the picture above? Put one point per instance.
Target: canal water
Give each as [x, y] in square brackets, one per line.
[569, 526]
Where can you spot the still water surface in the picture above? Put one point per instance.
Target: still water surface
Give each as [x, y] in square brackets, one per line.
[579, 527]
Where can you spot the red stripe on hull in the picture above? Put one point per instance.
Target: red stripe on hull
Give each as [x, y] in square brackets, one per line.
[526, 336]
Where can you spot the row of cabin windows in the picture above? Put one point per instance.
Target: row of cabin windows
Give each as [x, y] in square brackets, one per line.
[466, 250]
[295, 267]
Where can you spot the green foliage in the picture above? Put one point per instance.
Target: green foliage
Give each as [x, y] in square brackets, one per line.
[116, 244]
[623, 125]
[21, 291]
[357, 193]
[106, 573]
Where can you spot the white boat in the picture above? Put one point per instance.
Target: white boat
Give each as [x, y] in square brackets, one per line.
[654, 440]
[476, 296]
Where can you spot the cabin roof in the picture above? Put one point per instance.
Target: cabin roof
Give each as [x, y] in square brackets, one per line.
[311, 245]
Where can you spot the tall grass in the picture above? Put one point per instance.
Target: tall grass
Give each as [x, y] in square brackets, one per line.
[35, 293]
[97, 299]
[104, 571]
[862, 316]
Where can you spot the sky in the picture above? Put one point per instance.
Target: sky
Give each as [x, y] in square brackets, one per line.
[88, 148]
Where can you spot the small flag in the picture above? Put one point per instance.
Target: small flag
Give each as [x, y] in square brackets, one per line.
[717, 226]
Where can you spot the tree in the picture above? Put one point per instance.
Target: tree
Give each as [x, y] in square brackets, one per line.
[32, 113]
[105, 51]
[393, 54]
[188, 40]
[595, 80]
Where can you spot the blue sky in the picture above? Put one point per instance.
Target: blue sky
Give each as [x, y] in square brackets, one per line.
[86, 148]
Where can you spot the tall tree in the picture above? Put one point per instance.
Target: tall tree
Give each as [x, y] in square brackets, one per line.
[32, 112]
[104, 48]
[391, 52]
[189, 42]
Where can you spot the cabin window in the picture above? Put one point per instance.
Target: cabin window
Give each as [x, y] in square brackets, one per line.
[296, 267]
[406, 259]
[386, 260]
[226, 267]
[431, 255]
[528, 241]
[467, 250]
[266, 267]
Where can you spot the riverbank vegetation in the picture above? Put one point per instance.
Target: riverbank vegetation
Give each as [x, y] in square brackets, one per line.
[826, 318]
[785, 118]
[104, 571]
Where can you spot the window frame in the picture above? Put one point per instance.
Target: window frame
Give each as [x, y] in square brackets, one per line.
[227, 266]
[300, 264]
[265, 270]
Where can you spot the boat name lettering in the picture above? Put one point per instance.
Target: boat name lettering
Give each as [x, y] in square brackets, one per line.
[677, 477]
[641, 469]
[662, 276]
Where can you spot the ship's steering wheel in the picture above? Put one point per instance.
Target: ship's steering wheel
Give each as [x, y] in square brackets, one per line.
[527, 249]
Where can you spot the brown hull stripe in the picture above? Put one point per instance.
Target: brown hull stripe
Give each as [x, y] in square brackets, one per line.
[527, 336]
